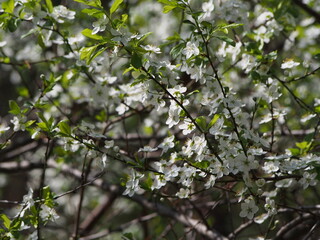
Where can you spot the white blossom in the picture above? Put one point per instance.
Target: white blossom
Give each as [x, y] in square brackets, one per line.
[3, 127]
[196, 72]
[147, 149]
[271, 166]
[177, 91]
[187, 127]
[216, 128]
[99, 93]
[248, 208]
[190, 50]
[263, 18]
[207, 8]
[60, 13]
[167, 143]
[132, 185]
[174, 114]
[289, 63]
[100, 25]
[210, 182]
[308, 179]
[151, 48]
[18, 123]
[158, 182]
[270, 206]
[183, 193]
[108, 144]
[48, 213]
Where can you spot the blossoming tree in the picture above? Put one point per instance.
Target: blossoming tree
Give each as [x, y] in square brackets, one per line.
[168, 119]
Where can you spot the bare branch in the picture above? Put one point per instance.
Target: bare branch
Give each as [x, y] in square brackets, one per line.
[291, 225]
[88, 224]
[308, 9]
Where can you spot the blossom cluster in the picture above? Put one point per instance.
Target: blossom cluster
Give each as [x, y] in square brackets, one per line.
[208, 108]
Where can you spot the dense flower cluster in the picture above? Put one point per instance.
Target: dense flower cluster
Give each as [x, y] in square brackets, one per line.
[211, 107]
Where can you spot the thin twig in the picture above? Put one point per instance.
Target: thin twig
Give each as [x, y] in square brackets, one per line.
[42, 184]
[305, 76]
[308, 9]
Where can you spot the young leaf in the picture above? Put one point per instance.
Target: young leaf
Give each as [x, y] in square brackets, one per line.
[48, 196]
[213, 120]
[168, 8]
[8, 6]
[115, 6]
[88, 33]
[6, 220]
[201, 121]
[49, 6]
[227, 40]
[14, 107]
[168, 2]
[92, 12]
[176, 50]
[233, 25]
[87, 52]
[64, 128]
[136, 61]
[43, 126]
[92, 3]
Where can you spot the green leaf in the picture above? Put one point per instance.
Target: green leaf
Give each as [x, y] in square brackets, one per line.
[64, 128]
[29, 123]
[294, 151]
[170, 5]
[13, 24]
[302, 145]
[97, 53]
[8, 6]
[6, 221]
[23, 91]
[40, 115]
[92, 3]
[92, 12]
[88, 33]
[168, 8]
[14, 107]
[174, 38]
[136, 61]
[15, 226]
[233, 25]
[43, 126]
[5, 60]
[48, 196]
[255, 75]
[127, 70]
[188, 22]
[102, 116]
[115, 6]
[202, 123]
[227, 40]
[127, 236]
[41, 41]
[206, 24]
[87, 52]
[143, 37]
[49, 6]
[213, 120]
[317, 56]
[176, 50]
[90, 53]
[168, 2]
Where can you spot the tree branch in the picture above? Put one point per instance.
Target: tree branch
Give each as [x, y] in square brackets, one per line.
[117, 190]
[309, 10]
